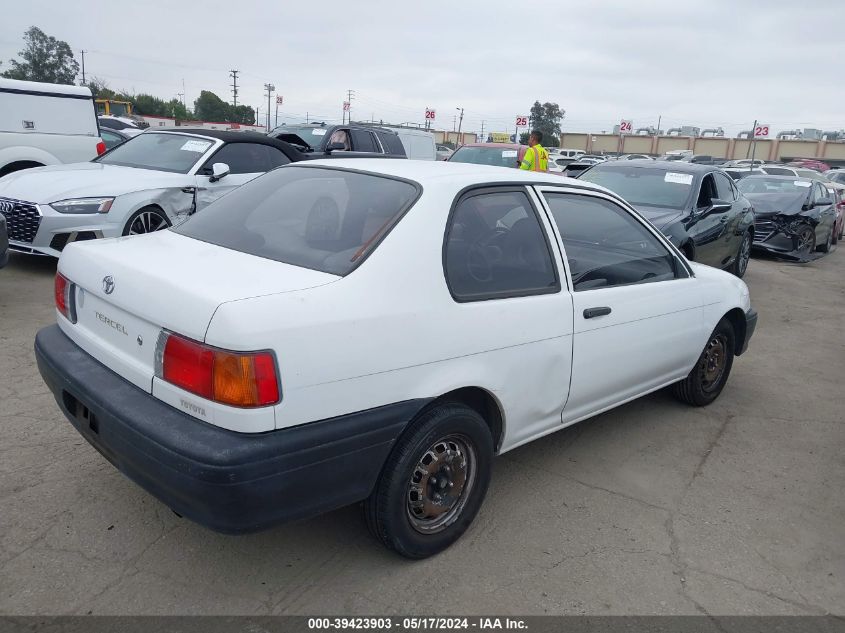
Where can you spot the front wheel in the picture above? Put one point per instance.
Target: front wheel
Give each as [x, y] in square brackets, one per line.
[740, 264]
[707, 379]
[825, 248]
[146, 220]
[433, 483]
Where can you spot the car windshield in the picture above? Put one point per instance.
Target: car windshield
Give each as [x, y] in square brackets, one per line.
[318, 218]
[653, 187]
[761, 184]
[779, 171]
[498, 156]
[308, 133]
[176, 153]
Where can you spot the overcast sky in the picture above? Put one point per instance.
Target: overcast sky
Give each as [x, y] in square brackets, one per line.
[708, 63]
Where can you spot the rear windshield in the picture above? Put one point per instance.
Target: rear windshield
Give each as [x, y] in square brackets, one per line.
[496, 156]
[318, 218]
[163, 152]
[761, 184]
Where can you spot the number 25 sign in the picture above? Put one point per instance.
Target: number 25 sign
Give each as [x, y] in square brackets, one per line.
[522, 121]
[761, 131]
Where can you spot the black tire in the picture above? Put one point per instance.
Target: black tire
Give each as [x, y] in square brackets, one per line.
[805, 243]
[150, 218]
[743, 256]
[825, 248]
[447, 435]
[703, 384]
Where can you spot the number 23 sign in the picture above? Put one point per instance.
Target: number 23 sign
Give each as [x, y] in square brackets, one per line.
[761, 131]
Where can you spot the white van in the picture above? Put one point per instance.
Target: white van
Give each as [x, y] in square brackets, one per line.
[46, 124]
[571, 153]
[418, 144]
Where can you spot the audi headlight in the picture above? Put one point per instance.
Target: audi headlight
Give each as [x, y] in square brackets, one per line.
[83, 205]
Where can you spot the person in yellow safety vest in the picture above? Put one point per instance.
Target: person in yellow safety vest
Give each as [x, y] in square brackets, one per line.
[536, 157]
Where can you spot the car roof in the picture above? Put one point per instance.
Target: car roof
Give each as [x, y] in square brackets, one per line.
[675, 166]
[230, 136]
[779, 177]
[495, 145]
[459, 174]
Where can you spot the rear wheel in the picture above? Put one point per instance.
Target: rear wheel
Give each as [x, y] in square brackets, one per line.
[146, 220]
[433, 483]
[740, 264]
[707, 379]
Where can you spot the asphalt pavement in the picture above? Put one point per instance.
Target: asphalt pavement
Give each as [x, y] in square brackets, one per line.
[653, 508]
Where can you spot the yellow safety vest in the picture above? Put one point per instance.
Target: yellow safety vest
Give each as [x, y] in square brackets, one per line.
[536, 159]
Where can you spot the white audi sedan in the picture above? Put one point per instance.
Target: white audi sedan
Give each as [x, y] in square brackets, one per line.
[375, 330]
[150, 182]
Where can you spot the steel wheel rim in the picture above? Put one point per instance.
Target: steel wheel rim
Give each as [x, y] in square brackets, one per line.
[713, 362]
[147, 222]
[744, 253]
[805, 240]
[441, 483]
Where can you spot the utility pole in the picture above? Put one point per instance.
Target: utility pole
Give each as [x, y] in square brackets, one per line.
[460, 122]
[350, 95]
[183, 95]
[482, 132]
[83, 66]
[234, 75]
[269, 88]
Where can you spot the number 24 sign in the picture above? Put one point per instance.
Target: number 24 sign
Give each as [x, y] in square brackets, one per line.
[761, 131]
[626, 126]
[522, 121]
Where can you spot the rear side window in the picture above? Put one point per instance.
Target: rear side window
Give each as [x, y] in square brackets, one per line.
[363, 141]
[723, 187]
[318, 218]
[496, 248]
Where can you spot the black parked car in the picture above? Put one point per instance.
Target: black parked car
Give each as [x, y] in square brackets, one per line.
[317, 140]
[4, 242]
[793, 216]
[697, 206]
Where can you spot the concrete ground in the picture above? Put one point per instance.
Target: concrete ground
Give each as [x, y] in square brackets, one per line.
[654, 508]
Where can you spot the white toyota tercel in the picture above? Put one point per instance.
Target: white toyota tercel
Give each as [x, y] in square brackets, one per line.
[375, 330]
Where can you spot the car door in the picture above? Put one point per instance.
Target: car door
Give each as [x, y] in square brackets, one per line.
[827, 212]
[246, 161]
[638, 318]
[707, 228]
[732, 219]
[502, 270]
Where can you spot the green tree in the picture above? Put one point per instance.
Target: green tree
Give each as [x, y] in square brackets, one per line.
[210, 107]
[100, 88]
[177, 110]
[546, 118]
[242, 114]
[44, 58]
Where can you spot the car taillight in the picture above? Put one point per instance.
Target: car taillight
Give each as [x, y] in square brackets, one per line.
[101, 148]
[64, 297]
[238, 379]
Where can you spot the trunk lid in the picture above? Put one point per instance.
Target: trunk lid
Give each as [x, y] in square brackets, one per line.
[129, 289]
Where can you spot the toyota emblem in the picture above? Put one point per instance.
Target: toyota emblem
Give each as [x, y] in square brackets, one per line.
[108, 284]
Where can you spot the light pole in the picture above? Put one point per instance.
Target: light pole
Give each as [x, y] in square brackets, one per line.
[269, 88]
[460, 121]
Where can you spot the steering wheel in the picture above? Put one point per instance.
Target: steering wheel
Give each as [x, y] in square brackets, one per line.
[479, 266]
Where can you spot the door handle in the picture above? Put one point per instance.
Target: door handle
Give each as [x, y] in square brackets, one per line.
[590, 313]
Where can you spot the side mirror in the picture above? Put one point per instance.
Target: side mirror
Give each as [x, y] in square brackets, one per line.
[335, 147]
[218, 172]
[717, 205]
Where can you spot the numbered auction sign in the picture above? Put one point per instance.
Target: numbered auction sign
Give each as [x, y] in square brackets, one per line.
[429, 114]
[761, 131]
[522, 121]
[626, 126]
